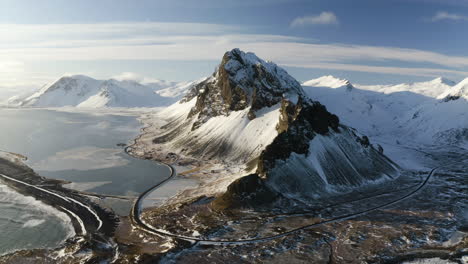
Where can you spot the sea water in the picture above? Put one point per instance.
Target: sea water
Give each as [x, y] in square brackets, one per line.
[81, 148]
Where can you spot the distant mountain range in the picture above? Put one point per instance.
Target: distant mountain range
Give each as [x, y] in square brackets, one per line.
[418, 110]
[426, 112]
[85, 92]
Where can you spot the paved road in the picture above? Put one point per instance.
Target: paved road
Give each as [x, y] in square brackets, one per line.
[136, 217]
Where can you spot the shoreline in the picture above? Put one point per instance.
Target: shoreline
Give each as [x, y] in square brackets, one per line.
[94, 225]
[90, 222]
[96, 239]
[26, 181]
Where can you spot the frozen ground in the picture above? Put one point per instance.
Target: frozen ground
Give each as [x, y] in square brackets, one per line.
[429, 226]
[432, 223]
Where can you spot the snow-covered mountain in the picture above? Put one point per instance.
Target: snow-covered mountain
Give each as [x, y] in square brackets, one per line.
[458, 91]
[355, 107]
[444, 121]
[254, 114]
[440, 122]
[83, 91]
[431, 88]
[425, 112]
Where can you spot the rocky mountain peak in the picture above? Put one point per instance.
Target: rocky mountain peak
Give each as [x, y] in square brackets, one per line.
[458, 91]
[442, 80]
[78, 83]
[242, 81]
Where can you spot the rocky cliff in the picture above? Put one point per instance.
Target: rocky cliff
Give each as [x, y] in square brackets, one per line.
[254, 114]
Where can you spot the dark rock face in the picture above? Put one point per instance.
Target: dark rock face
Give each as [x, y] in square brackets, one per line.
[380, 149]
[297, 127]
[65, 83]
[451, 98]
[288, 113]
[346, 159]
[364, 140]
[242, 80]
[248, 191]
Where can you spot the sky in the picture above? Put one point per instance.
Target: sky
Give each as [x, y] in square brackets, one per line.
[365, 41]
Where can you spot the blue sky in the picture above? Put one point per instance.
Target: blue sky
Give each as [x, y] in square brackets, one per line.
[366, 41]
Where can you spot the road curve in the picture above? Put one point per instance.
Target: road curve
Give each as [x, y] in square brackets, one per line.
[135, 216]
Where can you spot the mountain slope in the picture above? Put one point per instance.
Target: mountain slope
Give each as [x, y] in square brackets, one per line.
[253, 114]
[458, 91]
[409, 112]
[67, 91]
[113, 93]
[443, 121]
[372, 113]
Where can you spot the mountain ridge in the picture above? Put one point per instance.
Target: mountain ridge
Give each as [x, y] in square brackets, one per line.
[86, 92]
[253, 114]
[418, 110]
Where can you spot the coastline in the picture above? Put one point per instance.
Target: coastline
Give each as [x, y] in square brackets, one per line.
[88, 219]
[132, 244]
[94, 225]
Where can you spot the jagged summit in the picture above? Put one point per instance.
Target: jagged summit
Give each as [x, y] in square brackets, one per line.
[458, 91]
[442, 80]
[252, 114]
[242, 81]
[329, 81]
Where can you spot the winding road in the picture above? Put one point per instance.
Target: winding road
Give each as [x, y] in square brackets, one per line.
[136, 218]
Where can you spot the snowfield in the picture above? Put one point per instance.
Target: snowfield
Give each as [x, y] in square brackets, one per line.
[433, 112]
[242, 138]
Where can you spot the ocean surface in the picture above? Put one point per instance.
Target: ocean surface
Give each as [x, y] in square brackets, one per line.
[77, 147]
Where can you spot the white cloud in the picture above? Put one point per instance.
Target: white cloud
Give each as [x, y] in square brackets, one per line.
[10, 71]
[442, 15]
[324, 18]
[423, 72]
[11, 66]
[133, 76]
[23, 44]
[129, 76]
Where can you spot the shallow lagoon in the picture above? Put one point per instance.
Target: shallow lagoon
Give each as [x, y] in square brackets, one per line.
[77, 147]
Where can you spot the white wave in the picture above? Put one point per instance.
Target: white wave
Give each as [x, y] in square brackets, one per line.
[32, 208]
[34, 222]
